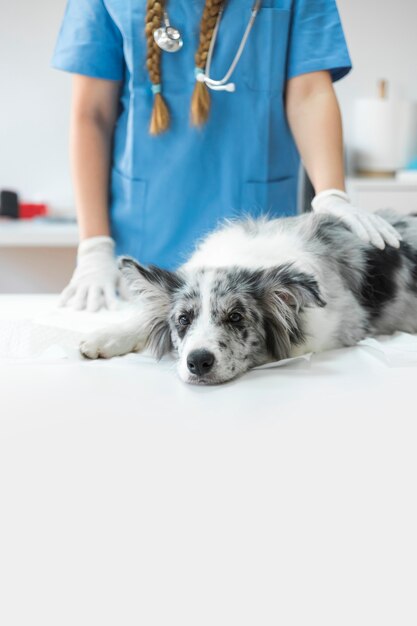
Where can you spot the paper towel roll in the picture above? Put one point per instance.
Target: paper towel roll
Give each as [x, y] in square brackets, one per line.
[383, 134]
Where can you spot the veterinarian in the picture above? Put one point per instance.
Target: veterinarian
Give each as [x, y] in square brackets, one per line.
[185, 112]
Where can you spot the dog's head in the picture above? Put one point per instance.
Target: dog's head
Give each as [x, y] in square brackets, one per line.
[221, 321]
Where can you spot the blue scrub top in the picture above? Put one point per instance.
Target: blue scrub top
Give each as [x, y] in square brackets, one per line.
[167, 191]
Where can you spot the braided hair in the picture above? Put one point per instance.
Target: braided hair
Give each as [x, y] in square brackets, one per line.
[200, 104]
[160, 113]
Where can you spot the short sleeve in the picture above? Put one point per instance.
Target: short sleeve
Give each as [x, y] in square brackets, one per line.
[89, 41]
[317, 41]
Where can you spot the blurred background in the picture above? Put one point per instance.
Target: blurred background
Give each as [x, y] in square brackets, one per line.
[37, 255]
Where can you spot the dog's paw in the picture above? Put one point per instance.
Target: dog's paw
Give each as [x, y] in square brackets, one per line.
[107, 345]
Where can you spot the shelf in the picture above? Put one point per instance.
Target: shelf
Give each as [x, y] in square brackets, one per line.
[383, 193]
[33, 233]
[381, 184]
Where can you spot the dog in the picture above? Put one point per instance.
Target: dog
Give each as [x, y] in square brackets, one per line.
[262, 290]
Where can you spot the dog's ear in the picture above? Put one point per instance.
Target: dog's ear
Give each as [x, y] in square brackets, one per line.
[151, 281]
[283, 292]
[291, 286]
[154, 288]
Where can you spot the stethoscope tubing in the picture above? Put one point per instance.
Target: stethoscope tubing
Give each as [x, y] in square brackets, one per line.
[222, 83]
[175, 43]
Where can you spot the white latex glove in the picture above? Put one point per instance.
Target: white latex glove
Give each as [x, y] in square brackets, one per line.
[370, 227]
[96, 277]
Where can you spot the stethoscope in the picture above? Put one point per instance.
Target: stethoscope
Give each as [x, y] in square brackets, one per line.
[169, 39]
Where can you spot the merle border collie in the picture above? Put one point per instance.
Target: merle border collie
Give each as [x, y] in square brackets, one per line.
[262, 290]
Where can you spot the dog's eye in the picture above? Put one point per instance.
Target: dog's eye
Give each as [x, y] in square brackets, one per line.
[235, 317]
[184, 320]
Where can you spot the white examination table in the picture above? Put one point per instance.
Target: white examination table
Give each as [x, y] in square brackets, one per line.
[128, 498]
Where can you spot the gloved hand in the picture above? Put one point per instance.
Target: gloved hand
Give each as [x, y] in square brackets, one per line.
[96, 277]
[368, 226]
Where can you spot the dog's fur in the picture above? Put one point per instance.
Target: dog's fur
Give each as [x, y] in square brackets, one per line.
[262, 290]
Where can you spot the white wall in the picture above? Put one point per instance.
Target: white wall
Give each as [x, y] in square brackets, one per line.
[34, 99]
[34, 103]
[382, 41]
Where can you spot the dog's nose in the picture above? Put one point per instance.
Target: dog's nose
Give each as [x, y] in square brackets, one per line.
[200, 362]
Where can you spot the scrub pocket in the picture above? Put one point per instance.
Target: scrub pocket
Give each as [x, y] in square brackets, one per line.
[266, 49]
[275, 198]
[127, 212]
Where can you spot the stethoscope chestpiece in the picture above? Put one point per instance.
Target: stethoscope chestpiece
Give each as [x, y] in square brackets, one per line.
[167, 37]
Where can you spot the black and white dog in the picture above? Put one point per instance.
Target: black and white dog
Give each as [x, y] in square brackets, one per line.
[256, 291]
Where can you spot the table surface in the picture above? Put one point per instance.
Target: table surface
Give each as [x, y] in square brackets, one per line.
[127, 497]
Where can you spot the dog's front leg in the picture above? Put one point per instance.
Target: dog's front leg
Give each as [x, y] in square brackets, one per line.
[115, 340]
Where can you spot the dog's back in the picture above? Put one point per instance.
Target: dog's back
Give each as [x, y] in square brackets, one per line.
[367, 290]
[383, 282]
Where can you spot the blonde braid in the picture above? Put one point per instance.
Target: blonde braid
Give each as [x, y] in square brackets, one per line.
[200, 104]
[160, 113]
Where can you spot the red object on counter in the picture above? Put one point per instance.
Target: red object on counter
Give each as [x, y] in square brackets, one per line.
[27, 211]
